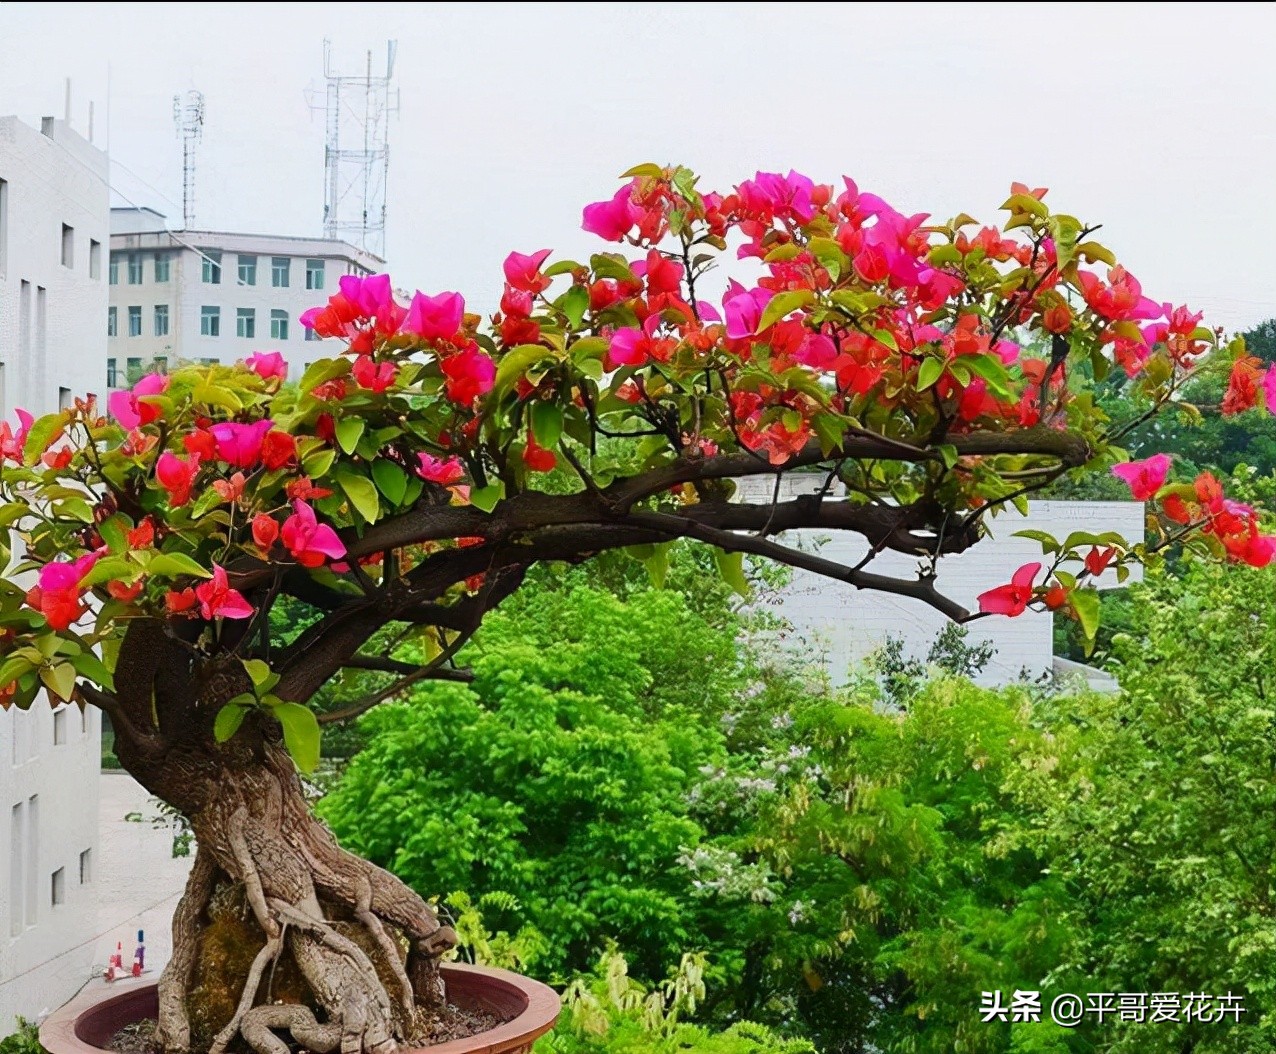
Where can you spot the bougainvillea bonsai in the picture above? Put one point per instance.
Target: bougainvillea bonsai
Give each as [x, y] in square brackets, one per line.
[402, 483]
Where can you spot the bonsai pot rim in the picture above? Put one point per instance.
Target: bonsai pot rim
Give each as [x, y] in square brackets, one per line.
[86, 1024]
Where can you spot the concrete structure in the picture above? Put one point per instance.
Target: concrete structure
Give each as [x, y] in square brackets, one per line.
[54, 234]
[838, 625]
[208, 296]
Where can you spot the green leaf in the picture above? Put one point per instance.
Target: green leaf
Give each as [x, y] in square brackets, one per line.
[929, 372]
[1085, 602]
[172, 564]
[783, 304]
[949, 453]
[89, 665]
[42, 433]
[560, 267]
[650, 170]
[228, 720]
[391, 480]
[59, 679]
[349, 432]
[361, 492]
[515, 363]
[317, 462]
[574, 303]
[301, 734]
[14, 667]
[831, 430]
[612, 265]
[1048, 542]
[485, 498]
[76, 509]
[114, 531]
[731, 568]
[321, 371]
[260, 672]
[830, 255]
[547, 423]
[111, 569]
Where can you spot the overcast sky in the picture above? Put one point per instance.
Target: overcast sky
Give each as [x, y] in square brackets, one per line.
[1158, 121]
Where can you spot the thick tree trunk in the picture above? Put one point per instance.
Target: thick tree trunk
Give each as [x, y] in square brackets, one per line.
[366, 946]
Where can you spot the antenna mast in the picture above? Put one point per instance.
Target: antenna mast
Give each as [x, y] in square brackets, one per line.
[188, 119]
[357, 113]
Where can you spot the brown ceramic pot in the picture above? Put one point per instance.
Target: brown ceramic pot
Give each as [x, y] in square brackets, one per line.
[527, 1008]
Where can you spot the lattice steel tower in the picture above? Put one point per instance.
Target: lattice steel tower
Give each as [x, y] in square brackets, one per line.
[357, 112]
[188, 119]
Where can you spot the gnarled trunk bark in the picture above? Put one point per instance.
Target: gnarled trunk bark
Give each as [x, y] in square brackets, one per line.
[366, 946]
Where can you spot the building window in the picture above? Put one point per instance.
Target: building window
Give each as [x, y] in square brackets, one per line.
[68, 246]
[161, 267]
[57, 886]
[113, 270]
[59, 727]
[161, 320]
[248, 270]
[279, 325]
[134, 268]
[133, 370]
[112, 371]
[212, 267]
[33, 857]
[210, 362]
[159, 364]
[95, 259]
[134, 321]
[210, 321]
[311, 334]
[4, 228]
[86, 867]
[112, 321]
[246, 322]
[279, 270]
[314, 274]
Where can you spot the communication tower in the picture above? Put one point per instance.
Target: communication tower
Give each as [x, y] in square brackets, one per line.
[188, 118]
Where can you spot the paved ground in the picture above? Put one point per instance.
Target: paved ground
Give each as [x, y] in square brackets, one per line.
[138, 880]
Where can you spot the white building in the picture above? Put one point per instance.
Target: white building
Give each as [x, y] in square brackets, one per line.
[54, 230]
[207, 296]
[839, 625]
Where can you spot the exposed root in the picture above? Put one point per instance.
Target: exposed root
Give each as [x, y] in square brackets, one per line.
[363, 912]
[298, 1020]
[269, 951]
[174, 1027]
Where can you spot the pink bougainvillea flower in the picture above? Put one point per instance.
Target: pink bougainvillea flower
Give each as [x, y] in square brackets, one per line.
[524, 272]
[239, 445]
[310, 542]
[127, 408]
[1269, 389]
[11, 443]
[770, 195]
[743, 309]
[218, 600]
[57, 596]
[267, 365]
[376, 376]
[1011, 599]
[1243, 385]
[516, 303]
[612, 220]
[1145, 477]
[635, 347]
[469, 374]
[201, 443]
[434, 317]
[177, 476]
[442, 470]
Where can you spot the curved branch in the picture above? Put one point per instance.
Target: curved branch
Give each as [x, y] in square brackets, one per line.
[379, 665]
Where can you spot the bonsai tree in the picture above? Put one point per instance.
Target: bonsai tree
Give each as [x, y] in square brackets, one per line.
[405, 482]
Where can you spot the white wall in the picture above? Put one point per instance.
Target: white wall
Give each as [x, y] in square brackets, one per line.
[839, 625]
[52, 337]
